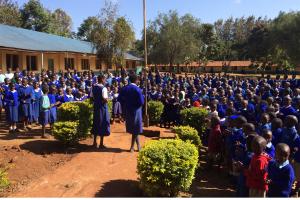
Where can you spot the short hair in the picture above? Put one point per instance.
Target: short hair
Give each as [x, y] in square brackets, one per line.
[291, 120]
[100, 77]
[45, 88]
[249, 126]
[133, 77]
[283, 148]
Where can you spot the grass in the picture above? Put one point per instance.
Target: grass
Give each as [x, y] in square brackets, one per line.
[4, 181]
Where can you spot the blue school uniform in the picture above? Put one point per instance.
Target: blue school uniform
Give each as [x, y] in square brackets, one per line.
[69, 98]
[26, 97]
[289, 136]
[53, 109]
[296, 155]
[262, 127]
[12, 105]
[270, 150]
[288, 111]
[132, 100]
[101, 119]
[36, 104]
[242, 189]
[276, 136]
[282, 178]
[61, 98]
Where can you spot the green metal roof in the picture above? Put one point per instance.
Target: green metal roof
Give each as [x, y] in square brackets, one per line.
[19, 38]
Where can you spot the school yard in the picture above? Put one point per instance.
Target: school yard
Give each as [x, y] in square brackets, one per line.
[45, 168]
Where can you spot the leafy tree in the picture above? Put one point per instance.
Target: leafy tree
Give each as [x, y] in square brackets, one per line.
[61, 23]
[112, 36]
[35, 17]
[9, 13]
[86, 28]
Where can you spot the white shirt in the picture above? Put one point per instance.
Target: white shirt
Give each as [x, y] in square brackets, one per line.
[9, 76]
[104, 92]
[2, 77]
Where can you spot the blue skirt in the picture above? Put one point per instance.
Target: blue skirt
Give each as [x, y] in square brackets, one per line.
[36, 111]
[44, 117]
[12, 114]
[1, 101]
[26, 111]
[101, 121]
[53, 115]
[117, 110]
[134, 121]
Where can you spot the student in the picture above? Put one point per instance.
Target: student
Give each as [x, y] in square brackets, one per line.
[257, 174]
[26, 96]
[53, 105]
[289, 132]
[287, 108]
[69, 95]
[44, 117]
[280, 173]
[117, 110]
[270, 149]
[265, 123]
[214, 141]
[36, 101]
[101, 118]
[276, 127]
[12, 105]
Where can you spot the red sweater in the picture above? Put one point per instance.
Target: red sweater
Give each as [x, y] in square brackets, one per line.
[215, 140]
[257, 173]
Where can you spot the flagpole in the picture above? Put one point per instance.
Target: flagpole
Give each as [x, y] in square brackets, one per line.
[146, 120]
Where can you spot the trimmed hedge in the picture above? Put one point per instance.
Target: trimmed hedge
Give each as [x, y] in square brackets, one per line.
[67, 132]
[4, 182]
[167, 167]
[195, 117]
[187, 133]
[155, 110]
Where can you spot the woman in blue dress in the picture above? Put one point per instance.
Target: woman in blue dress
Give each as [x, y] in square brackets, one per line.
[12, 104]
[26, 96]
[132, 100]
[36, 101]
[54, 103]
[101, 119]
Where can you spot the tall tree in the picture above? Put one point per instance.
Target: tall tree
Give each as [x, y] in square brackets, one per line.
[86, 28]
[61, 23]
[35, 17]
[9, 13]
[112, 36]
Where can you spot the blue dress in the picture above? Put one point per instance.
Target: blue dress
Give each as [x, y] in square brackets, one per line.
[53, 115]
[12, 104]
[132, 101]
[26, 96]
[36, 104]
[101, 120]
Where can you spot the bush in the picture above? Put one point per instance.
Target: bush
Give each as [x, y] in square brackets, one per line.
[187, 133]
[167, 167]
[78, 111]
[4, 182]
[155, 110]
[195, 117]
[67, 132]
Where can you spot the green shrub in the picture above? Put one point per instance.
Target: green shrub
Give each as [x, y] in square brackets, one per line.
[67, 132]
[78, 111]
[187, 133]
[167, 167]
[4, 181]
[155, 109]
[194, 117]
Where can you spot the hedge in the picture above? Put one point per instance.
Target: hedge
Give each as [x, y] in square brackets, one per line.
[187, 133]
[67, 132]
[155, 110]
[166, 167]
[4, 182]
[195, 117]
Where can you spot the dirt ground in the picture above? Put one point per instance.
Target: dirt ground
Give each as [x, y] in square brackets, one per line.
[44, 168]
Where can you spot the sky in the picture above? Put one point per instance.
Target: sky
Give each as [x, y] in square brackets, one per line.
[208, 11]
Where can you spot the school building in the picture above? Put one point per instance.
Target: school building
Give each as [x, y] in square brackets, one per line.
[34, 51]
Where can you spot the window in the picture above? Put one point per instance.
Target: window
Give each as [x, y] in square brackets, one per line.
[133, 64]
[127, 64]
[31, 63]
[234, 68]
[12, 61]
[85, 64]
[50, 64]
[69, 63]
[98, 64]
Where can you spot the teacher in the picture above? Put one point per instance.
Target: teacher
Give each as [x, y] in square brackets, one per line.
[132, 100]
[101, 119]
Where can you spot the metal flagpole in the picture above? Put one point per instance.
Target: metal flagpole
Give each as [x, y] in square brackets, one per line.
[146, 120]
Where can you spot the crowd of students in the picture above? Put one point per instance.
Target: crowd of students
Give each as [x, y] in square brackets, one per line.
[254, 123]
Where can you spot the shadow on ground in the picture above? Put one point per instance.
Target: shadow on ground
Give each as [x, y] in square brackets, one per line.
[120, 188]
[43, 147]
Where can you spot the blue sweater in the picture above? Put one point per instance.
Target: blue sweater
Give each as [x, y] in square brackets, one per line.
[281, 180]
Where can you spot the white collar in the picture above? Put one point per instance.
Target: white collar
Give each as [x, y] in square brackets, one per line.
[269, 145]
[133, 84]
[283, 164]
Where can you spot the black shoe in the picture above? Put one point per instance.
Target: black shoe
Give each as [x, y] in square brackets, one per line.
[102, 147]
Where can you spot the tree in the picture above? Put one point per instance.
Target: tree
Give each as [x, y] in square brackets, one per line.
[61, 23]
[35, 17]
[9, 13]
[86, 28]
[112, 36]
